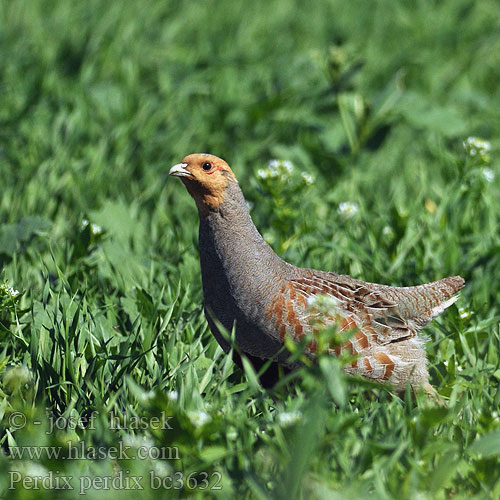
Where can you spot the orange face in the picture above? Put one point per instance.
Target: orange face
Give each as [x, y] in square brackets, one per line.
[206, 178]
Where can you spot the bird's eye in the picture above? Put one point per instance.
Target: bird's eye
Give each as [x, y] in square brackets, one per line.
[206, 166]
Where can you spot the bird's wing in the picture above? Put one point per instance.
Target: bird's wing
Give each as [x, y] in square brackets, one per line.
[384, 313]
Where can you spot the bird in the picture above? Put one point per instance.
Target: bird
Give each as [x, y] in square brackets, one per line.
[248, 287]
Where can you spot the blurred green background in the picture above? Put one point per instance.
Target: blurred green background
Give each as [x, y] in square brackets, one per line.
[365, 136]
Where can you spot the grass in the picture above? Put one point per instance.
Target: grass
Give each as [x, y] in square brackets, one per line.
[373, 102]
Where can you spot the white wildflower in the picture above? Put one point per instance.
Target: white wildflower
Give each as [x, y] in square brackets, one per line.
[288, 418]
[95, 229]
[287, 165]
[476, 146]
[387, 231]
[276, 169]
[321, 299]
[147, 396]
[161, 468]
[8, 290]
[460, 368]
[348, 209]
[31, 469]
[138, 441]
[322, 303]
[263, 173]
[463, 313]
[488, 174]
[232, 434]
[199, 418]
[311, 300]
[172, 395]
[17, 375]
[273, 165]
[307, 178]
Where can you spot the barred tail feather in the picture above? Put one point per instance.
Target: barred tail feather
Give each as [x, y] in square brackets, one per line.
[436, 311]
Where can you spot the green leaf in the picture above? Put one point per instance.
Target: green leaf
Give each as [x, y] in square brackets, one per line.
[331, 371]
[487, 445]
[444, 471]
[12, 235]
[211, 454]
[253, 381]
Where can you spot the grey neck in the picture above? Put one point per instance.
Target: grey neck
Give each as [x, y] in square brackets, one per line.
[232, 252]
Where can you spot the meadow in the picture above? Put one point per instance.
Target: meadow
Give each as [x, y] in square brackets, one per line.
[365, 136]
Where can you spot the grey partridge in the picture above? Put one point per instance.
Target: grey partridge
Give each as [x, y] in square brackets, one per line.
[247, 285]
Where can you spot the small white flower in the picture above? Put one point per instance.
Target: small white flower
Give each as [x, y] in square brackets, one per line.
[488, 174]
[463, 313]
[95, 229]
[322, 302]
[161, 468]
[232, 434]
[288, 418]
[147, 396]
[273, 164]
[311, 300]
[32, 469]
[136, 441]
[8, 290]
[348, 209]
[460, 368]
[478, 143]
[281, 169]
[199, 418]
[475, 146]
[445, 363]
[287, 165]
[17, 376]
[173, 395]
[387, 231]
[307, 178]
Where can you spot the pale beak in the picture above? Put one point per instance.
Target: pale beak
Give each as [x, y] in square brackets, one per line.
[179, 170]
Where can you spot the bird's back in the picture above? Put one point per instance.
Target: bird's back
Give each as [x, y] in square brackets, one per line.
[384, 312]
[384, 320]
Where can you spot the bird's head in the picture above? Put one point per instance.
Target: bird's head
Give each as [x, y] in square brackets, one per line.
[206, 178]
